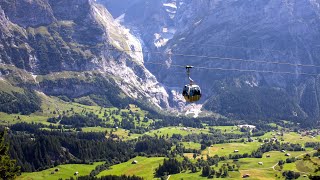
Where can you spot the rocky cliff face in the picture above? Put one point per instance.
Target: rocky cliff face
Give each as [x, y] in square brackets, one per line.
[45, 37]
[272, 31]
[53, 39]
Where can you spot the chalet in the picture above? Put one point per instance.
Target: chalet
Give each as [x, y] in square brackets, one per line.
[76, 173]
[236, 151]
[260, 163]
[287, 154]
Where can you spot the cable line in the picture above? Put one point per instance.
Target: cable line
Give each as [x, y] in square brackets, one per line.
[234, 47]
[234, 69]
[202, 56]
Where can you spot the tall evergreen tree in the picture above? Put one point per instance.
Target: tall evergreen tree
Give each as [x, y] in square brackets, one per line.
[8, 168]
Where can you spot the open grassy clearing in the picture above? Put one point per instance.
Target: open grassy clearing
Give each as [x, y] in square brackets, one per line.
[251, 166]
[8, 88]
[176, 130]
[290, 166]
[53, 107]
[65, 171]
[191, 176]
[228, 129]
[228, 148]
[144, 168]
[192, 145]
[95, 129]
[123, 133]
[291, 137]
[275, 156]
[297, 138]
[259, 174]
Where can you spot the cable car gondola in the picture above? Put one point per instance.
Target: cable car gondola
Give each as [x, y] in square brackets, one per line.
[191, 92]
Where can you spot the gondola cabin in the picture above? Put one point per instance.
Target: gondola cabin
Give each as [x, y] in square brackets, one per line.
[191, 93]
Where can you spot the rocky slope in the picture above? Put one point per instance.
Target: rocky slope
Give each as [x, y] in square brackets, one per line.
[58, 38]
[271, 30]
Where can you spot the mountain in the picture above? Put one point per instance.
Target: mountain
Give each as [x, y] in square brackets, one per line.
[78, 51]
[235, 32]
[72, 49]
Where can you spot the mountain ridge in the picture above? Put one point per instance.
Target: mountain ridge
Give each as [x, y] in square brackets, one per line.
[74, 37]
[271, 31]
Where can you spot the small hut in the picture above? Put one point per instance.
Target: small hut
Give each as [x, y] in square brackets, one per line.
[246, 176]
[134, 162]
[260, 163]
[236, 151]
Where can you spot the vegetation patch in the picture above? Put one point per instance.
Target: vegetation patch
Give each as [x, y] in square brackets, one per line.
[61, 171]
[145, 167]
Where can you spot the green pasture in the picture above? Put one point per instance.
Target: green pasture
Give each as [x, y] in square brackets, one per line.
[65, 171]
[228, 129]
[144, 168]
[192, 145]
[176, 130]
[228, 148]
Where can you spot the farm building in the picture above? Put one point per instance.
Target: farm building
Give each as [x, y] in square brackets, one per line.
[268, 155]
[246, 176]
[76, 173]
[287, 154]
[260, 163]
[236, 151]
[247, 126]
[134, 162]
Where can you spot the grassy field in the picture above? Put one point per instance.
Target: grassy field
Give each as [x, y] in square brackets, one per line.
[291, 137]
[275, 156]
[305, 166]
[192, 145]
[65, 171]
[144, 168]
[259, 174]
[176, 130]
[226, 149]
[191, 176]
[297, 138]
[53, 107]
[228, 129]
[251, 166]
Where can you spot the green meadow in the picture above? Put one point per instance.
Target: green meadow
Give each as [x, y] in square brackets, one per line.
[228, 148]
[65, 171]
[144, 168]
[176, 130]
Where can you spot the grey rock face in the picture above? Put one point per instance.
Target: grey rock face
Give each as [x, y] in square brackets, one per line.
[28, 12]
[77, 35]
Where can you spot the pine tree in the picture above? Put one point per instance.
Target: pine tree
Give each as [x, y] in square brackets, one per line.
[8, 168]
